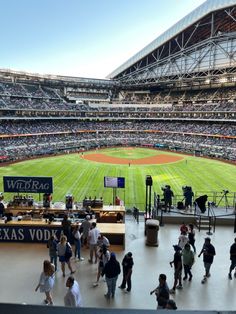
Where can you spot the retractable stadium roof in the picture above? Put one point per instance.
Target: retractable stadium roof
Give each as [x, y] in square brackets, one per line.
[203, 10]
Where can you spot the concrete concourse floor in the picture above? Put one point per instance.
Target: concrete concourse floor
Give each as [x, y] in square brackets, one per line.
[21, 265]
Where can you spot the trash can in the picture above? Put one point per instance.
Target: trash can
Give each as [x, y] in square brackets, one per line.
[152, 227]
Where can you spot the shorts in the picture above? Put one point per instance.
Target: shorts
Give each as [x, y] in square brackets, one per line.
[62, 259]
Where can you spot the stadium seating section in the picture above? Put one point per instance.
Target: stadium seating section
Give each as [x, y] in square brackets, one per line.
[38, 120]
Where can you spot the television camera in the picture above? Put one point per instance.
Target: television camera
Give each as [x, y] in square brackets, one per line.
[186, 189]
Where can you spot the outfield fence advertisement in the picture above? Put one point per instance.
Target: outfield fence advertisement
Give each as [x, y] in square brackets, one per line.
[28, 184]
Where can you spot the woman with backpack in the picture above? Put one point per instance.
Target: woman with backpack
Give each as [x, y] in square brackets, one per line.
[65, 253]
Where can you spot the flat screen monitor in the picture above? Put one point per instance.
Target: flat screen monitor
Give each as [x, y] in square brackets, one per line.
[114, 182]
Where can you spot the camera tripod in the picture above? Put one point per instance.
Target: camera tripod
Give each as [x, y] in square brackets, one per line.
[224, 196]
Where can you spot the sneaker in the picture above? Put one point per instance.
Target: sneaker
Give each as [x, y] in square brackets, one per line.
[204, 280]
[95, 284]
[106, 296]
[230, 276]
[208, 275]
[179, 287]
[190, 278]
[45, 301]
[172, 291]
[72, 272]
[121, 287]
[81, 259]
[185, 277]
[127, 291]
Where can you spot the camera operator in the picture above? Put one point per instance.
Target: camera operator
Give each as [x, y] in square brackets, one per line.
[167, 194]
[188, 197]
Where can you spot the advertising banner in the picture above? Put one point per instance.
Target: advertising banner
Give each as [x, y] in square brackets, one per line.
[10, 233]
[28, 184]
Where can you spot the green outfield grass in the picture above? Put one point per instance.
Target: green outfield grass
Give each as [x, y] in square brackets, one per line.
[73, 174]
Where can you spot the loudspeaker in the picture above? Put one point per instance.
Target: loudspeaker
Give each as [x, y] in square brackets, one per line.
[148, 181]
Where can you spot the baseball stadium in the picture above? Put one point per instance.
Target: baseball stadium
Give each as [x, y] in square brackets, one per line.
[163, 120]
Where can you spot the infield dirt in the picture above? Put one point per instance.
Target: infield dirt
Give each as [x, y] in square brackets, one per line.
[152, 160]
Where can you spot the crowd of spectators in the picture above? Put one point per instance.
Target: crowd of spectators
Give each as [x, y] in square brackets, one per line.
[37, 97]
[143, 119]
[27, 146]
[73, 126]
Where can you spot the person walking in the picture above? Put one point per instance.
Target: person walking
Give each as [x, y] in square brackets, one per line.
[208, 251]
[84, 229]
[188, 260]
[103, 255]
[93, 240]
[64, 252]
[127, 265]
[183, 239]
[77, 241]
[73, 295]
[191, 237]
[66, 227]
[233, 259]
[102, 240]
[46, 281]
[177, 261]
[162, 292]
[52, 246]
[111, 272]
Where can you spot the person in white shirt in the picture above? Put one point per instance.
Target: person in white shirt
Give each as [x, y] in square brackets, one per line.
[73, 295]
[183, 239]
[102, 240]
[93, 240]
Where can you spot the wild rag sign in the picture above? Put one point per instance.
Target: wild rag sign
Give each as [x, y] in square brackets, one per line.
[28, 184]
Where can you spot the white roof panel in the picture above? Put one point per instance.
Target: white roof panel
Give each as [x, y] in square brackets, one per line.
[188, 20]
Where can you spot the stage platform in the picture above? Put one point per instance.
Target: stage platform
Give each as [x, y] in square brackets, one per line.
[222, 216]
